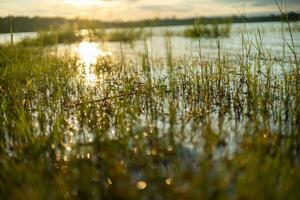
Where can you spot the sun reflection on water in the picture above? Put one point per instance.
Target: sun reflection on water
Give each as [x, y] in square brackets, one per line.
[88, 53]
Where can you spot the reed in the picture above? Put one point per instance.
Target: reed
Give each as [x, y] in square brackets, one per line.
[214, 30]
[183, 128]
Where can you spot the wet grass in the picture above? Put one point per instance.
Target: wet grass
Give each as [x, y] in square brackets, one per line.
[52, 38]
[72, 36]
[213, 30]
[182, 129]
[125, 35]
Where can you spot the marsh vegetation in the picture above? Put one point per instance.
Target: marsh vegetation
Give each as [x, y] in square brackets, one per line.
[212, 30]
[70, 36]
[97, 126]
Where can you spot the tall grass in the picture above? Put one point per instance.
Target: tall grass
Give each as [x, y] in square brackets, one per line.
[213, 30]
[72, 36]
[52, 38]
[209, 129]
[11, 31]
[124, 35]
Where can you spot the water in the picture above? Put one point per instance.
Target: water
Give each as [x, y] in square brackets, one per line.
[272, 39]
[274, 35]
[5, 38]
[80, 133]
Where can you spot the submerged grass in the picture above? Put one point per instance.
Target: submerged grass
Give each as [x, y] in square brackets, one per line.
[125, 35]
[52, 38]
[211, 129]
[213, 30]
[72, 36]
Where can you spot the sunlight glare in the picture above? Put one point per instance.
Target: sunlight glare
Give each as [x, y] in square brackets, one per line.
[88, 53]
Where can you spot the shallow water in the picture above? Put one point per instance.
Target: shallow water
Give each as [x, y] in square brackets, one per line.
[273, 36]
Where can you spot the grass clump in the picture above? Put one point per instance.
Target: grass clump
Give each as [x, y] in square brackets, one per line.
[124, 35]
[52, 38]
[213, 30]
[71, 36]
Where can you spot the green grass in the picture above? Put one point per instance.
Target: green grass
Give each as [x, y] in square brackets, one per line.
[296, 26]
[214, 129]
[71, 36]
[214, 30]
[124, 35]
[52, 38]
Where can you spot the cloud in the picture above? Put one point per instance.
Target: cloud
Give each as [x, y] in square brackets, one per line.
[259, 2]
[137, 9]
[163, 8]
[122, 1]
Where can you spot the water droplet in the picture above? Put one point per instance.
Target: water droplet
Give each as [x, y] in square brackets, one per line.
[109, 181]
[170, 148]
[168, 181]
[65, 158]
[68, 148]
[148, 152]
[135, 150]
[153, 152]
[141, 185]
[122, 162]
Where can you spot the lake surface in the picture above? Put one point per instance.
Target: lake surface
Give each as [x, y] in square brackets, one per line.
[273, 36]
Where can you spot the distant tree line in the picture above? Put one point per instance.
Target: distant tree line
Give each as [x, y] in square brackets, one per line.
[31, 24]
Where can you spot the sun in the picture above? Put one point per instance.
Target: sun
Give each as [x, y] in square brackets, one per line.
[80, 2]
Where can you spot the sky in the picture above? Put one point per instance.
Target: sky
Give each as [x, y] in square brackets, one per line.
[139, 9]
